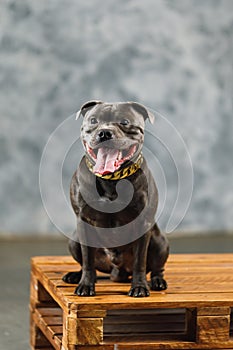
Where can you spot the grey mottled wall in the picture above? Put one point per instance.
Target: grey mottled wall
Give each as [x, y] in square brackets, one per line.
[172, 55]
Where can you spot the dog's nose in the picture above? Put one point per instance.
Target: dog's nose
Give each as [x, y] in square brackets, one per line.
[104, 135]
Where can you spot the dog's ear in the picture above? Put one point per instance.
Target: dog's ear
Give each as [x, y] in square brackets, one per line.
[143, 110]
[85, 107]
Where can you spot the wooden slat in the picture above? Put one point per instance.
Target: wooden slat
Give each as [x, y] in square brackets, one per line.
[52, 333]
[174, 289]
[182, 258]
[156, 300]
[51, 311]
[58, 268]
[57, 260]
[146, 327]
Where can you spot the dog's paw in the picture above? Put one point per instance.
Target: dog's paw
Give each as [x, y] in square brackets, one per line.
[139, 291]
[158, 283]
[85, 290]
[72, 277]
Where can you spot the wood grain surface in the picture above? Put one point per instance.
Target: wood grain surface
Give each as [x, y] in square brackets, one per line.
[195, 312]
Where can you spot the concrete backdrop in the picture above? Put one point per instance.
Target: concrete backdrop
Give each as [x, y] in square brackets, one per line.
[171, 55]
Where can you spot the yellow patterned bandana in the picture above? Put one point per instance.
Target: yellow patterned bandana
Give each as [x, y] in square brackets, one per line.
[119, 174]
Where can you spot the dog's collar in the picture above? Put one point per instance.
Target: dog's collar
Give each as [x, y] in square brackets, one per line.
[119, 174]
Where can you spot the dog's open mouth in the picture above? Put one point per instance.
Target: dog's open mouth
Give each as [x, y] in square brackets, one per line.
[107, 160]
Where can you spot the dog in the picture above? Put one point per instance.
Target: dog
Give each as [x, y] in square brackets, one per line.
[112, 135]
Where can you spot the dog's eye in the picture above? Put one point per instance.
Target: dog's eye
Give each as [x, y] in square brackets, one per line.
[94, 120]
[124, 122]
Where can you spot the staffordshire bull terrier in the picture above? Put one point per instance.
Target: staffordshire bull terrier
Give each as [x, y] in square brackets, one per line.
[112, 135]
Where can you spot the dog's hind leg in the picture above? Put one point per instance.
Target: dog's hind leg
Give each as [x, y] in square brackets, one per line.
[72, 277]
[158, 251]
[75, 250]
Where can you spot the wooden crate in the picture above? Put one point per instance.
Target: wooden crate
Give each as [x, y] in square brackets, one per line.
[195, 312]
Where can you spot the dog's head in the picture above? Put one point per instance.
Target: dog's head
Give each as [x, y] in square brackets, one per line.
[112, 133]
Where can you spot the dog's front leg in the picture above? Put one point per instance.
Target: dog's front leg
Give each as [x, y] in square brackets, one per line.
[86, 285]
[139, 287]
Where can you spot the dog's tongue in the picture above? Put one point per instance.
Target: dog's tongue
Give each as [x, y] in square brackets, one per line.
[106, 161]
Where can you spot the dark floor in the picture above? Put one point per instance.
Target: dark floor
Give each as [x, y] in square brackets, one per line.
[14, 277]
